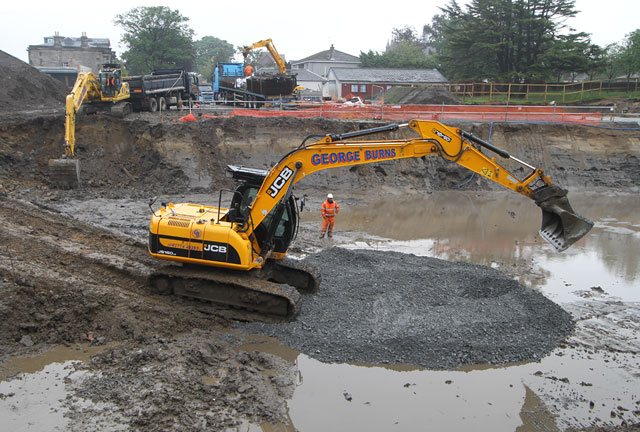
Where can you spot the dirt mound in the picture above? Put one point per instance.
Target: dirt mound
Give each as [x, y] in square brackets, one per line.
[25, 88]
[195, 381]
[420, 96]
[422, 311]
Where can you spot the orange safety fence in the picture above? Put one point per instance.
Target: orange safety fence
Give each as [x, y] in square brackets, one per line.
[401, 113]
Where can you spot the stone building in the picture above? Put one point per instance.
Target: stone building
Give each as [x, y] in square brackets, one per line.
[82, 54]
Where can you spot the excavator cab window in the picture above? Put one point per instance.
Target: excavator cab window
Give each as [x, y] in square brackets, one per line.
[244, 196]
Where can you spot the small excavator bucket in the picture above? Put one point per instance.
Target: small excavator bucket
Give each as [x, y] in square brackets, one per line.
[561, 225]
[64, 173]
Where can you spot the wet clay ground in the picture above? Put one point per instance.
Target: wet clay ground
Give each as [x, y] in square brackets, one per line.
[74, 264]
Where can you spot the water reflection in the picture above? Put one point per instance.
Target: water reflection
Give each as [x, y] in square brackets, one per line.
[499, 229]
[567, 388]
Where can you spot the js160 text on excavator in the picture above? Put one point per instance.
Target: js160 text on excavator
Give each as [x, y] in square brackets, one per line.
[103, 93]
[236, 254]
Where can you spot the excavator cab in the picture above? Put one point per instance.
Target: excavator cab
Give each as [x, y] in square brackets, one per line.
[284, 228]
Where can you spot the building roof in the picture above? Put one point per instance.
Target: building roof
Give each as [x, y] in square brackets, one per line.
[75, 42]
[399, 76]
[331, 54]
[307, 75]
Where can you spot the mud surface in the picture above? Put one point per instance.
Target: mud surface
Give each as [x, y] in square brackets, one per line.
[422, 311]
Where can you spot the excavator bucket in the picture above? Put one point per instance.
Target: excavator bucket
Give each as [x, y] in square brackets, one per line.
[561, 225]
[64, 173]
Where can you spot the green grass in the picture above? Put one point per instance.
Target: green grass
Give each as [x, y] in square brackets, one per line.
[541, 98]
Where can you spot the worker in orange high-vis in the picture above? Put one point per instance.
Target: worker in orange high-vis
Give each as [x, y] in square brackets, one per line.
[329, 210]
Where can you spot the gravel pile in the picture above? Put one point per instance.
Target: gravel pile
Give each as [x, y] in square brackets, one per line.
[391, 308]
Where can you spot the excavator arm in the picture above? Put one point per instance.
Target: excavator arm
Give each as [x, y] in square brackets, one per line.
[561, 226]
[86, 87]
[65, 172]
[268, 43]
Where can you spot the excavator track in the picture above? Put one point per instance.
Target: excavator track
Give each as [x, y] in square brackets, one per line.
[265, 291]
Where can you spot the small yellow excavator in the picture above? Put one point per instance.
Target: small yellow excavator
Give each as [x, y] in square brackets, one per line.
[236, 254]
[104, 93]
[267, 43]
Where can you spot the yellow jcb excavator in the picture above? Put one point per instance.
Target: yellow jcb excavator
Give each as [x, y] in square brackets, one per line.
[234, 254]
[104, 93]
[268, 43]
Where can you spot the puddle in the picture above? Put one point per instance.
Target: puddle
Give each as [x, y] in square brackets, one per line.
[570, 381]
[33, 389]
[572, 386]
[58, 354]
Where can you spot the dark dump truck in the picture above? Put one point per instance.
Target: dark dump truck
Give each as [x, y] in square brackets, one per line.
[162, 89]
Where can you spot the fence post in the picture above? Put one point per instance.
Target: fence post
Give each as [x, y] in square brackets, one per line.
[564, 90]
[509, 94]
[582, 91]
[545, 92]
[491, 91]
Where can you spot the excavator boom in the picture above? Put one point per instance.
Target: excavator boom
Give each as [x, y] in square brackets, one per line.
[268, 43]
[561, 226]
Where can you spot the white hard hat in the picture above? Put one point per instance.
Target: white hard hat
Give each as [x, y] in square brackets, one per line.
[330, 196]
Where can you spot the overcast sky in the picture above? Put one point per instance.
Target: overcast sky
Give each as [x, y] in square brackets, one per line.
[298, 28]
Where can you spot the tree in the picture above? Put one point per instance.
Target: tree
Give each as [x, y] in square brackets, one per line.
[432, 34]
[406, 34]
[404, 51]
[571, 54]
[629, 55]
[155, 37]
[506, 39]
[208, 52]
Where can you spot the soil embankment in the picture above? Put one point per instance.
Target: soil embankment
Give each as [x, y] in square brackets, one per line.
[137, 157]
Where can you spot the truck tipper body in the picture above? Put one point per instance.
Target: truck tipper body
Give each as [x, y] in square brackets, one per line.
[162, 89]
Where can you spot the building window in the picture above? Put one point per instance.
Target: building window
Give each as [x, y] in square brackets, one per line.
[363, 88]
[65, 64]
[354, 88]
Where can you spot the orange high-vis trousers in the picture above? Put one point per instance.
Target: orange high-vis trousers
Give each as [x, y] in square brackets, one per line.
[328, 222]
